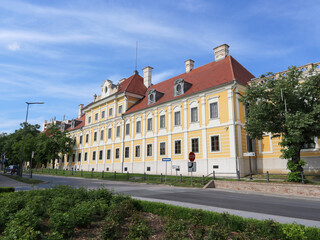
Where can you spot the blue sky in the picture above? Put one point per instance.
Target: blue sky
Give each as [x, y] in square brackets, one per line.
[61, 51]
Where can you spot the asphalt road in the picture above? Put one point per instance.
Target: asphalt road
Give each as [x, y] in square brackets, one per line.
[260, 206]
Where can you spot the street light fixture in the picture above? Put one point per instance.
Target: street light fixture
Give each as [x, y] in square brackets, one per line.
[24, 135]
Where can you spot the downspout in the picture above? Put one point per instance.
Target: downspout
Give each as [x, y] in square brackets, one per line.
[122, 156]
[233, 87]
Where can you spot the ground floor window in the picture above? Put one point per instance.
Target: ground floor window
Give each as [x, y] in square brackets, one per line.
[73, 157]
[195, 145]
[149, 150]
[177, 147]
[117, 153]
[94, 155]
[100, 155]
[126, 152]
[137, 151]
[162, 148]
[79, 157]
[108, 153]
[85, 156]
[215, 143]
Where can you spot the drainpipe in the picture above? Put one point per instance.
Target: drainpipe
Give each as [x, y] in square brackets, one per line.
[123, 134]
[234, 86]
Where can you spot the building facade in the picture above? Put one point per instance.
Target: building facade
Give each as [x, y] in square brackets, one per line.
[132, 126]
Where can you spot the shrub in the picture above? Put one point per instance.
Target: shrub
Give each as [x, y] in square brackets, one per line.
[6, 189]
[62, 223]
[218, 233]
[138, 228]
[111, 229]
[83, 213]
[176, 229]
[294, 231]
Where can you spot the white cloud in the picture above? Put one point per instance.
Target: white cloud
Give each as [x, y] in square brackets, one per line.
[14, 46]
[159, 77]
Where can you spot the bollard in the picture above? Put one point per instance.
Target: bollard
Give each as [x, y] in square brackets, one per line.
[81, 172]
[267, 176]
[214, 175]
[180, 177]
[115, 175]
[302, 178]
[145, 176]
[102, 173]
[161, 178]
[202, 180]
[127, 176]
[92, 172]
[238, 175]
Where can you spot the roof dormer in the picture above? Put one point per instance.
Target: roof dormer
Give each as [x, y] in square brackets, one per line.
[180, 86]
[154, 96]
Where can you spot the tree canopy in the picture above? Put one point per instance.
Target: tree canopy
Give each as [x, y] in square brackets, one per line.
[287, 107]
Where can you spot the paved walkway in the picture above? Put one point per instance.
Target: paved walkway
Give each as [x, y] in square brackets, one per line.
[8, 182]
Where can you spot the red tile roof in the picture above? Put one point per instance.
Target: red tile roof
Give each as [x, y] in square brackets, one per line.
[207, 76]
[133, 84]
[79, 125]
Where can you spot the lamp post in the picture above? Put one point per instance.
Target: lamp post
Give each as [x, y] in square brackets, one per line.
[24, 135]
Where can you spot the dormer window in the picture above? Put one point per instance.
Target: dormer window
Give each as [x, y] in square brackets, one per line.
[73, 123]
[152, 96]
[181, 86]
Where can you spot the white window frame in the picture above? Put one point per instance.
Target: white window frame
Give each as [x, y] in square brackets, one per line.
[103, 114]
[126, 128]
[115, 153]
[174, 114]
[135, 153]
[120, 107]
[197, 114]
[215, 135]
[100, 155]
[108, 155]
[110, 133]
[125, 152]
[96, 116]
[165, 149]
[138, 121]
[151, 149]
[174, 146]
[110, 111]
[163, 116]
[149, 129]
[101, 134]
[198, 144]
[118, 127]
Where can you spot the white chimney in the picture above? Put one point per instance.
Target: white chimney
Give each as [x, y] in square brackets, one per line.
[147, 73]
[80, 110]
[122, 80]
[221, 52]
[189, 65]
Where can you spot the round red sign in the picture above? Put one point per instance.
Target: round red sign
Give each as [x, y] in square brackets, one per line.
[192, 156]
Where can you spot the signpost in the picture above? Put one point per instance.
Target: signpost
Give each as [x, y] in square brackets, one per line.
[249, 154]
[192, 165]
[166, 160]
[177, 168]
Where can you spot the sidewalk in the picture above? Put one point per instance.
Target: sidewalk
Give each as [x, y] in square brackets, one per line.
[8, 182]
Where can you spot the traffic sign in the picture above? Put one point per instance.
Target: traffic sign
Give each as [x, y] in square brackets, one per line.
[192, 156]
[176, 167]
[166, 159]
[192, 167]
[249, 154]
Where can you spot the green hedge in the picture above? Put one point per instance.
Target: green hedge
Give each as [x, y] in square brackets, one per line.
[6, 189]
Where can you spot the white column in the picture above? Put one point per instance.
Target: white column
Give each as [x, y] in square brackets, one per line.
[204, 131]
[169, 133]
[185, 123]
[155, 144]
[143, 132]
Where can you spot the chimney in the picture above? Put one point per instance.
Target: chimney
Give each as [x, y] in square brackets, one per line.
[221, 52]
[189, 65]
[122, 80]
[80, 110]
[147, 73]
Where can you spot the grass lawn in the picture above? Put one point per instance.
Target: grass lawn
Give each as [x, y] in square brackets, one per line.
[24, 179]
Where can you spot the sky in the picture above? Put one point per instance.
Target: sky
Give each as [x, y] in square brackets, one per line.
[60, 52]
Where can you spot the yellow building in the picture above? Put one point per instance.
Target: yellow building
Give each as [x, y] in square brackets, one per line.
[133, 125]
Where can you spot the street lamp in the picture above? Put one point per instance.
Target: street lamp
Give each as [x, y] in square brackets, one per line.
[24, 135]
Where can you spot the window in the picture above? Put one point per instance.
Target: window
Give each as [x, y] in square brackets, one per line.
[79, 157]
[195, 145]
[117, 153]
[110, 112]
[100, 155]
[177, 147]
[101, 135]
[85, 156]
[215, 144]
[162, 148]
[137, 151]
[89, 119]
[87, 137]
[108, 153]
[96, 117]
[126, 152]
[94, 155]
[162, 121]
[194, 114]
[80, 140]
[214, 110]
[178, 87]
[95, 136]
[120, 109]
[109, 133]
[177, 118]
[103, 114]
[149, 124]
[128, 129]
[118, 131]
[138, 127]
[149, 150]
[151, 96]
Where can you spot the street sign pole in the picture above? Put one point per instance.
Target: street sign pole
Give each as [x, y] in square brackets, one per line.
[191, 178]
[166, 171]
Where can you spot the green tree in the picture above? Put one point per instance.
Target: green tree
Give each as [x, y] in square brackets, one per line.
[52, 144]
[287, 107]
